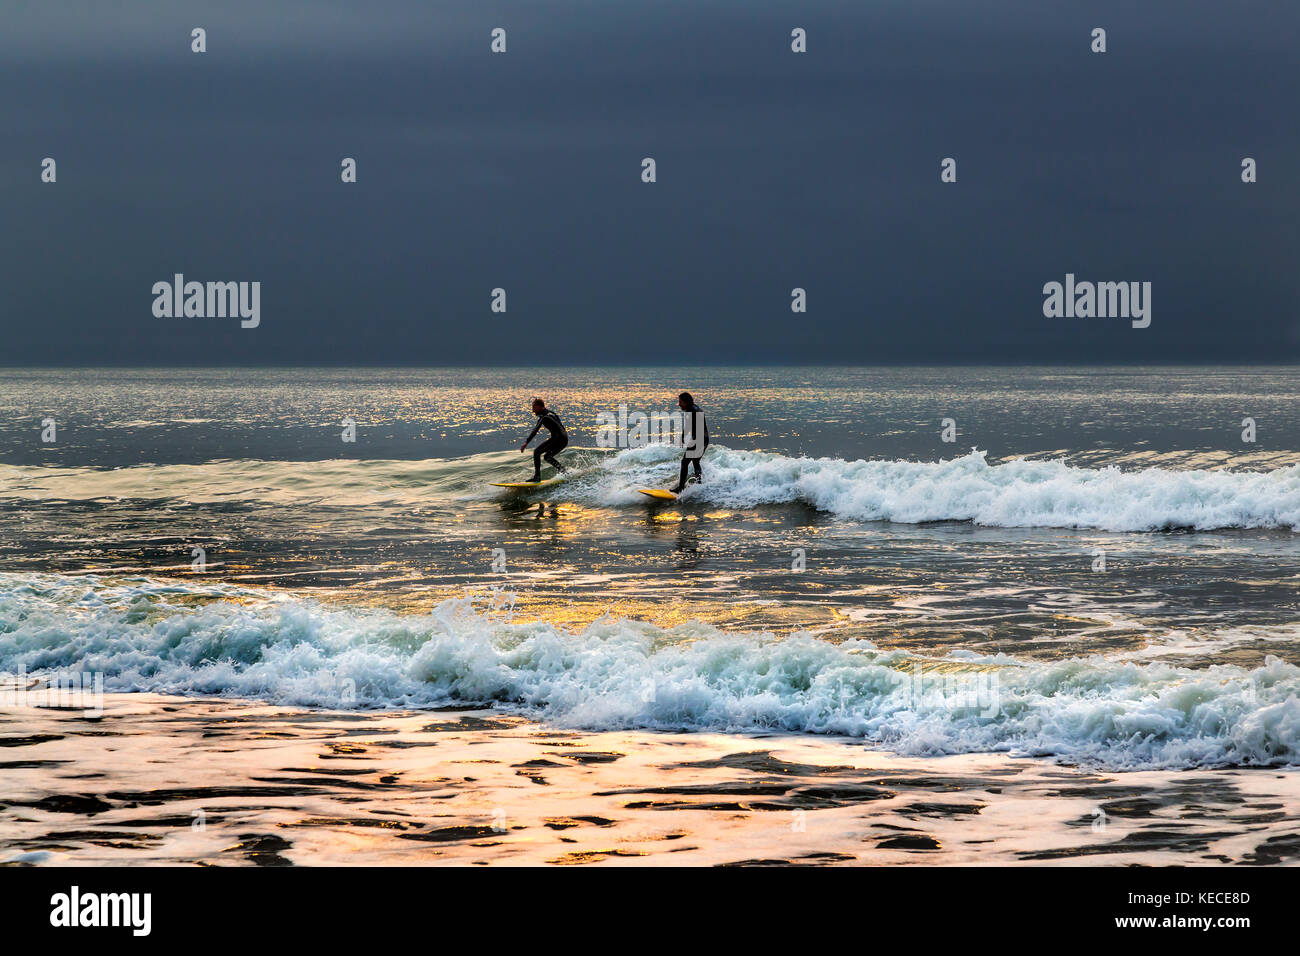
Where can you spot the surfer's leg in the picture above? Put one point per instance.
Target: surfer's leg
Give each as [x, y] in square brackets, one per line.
[546, 452]
[551, 451]
[681, 478]
[699, 467]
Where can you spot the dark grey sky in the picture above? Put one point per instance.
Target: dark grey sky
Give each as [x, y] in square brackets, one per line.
[523, 171]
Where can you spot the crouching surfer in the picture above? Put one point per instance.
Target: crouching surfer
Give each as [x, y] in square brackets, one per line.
[556, 441]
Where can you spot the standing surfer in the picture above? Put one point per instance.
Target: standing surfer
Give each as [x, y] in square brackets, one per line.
[556, 441]
[695, 439]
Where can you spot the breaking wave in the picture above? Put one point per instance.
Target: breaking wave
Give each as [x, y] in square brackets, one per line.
[224, 640]
[1015, 494]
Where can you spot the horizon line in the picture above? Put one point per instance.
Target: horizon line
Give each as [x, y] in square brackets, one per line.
[1150, 363]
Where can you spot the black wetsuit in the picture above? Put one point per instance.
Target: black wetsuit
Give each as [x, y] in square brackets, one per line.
[689, 419]
[557, 441]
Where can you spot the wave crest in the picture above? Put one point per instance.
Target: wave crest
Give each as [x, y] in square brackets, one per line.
[223, 640]
[1018, 493]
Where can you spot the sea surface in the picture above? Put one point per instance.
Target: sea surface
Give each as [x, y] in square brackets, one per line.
[1098, 569]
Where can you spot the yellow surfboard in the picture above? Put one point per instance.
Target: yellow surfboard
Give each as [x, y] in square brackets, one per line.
[663, 494]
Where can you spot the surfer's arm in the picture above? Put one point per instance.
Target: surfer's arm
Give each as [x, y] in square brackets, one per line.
[531, 435]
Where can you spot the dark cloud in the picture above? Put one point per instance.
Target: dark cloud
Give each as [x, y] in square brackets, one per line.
[522, 171]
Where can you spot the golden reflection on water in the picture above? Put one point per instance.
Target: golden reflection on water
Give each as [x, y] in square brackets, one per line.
[744, 616]
[562, 611]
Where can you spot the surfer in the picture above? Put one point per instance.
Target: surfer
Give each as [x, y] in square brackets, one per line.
[695, 439]
[557, 440]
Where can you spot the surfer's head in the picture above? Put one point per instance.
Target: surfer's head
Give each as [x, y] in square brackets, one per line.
[685, 401]
[539, 406]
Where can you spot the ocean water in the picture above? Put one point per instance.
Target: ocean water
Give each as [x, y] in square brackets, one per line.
[1098, 570]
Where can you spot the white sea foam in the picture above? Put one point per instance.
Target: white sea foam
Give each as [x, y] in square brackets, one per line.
[1018, 493]
[149, 635]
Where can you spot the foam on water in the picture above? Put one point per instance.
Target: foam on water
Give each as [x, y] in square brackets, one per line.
[1017, 493]
[224, 640]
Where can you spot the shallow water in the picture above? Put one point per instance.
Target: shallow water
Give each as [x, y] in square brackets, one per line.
[153, 781]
